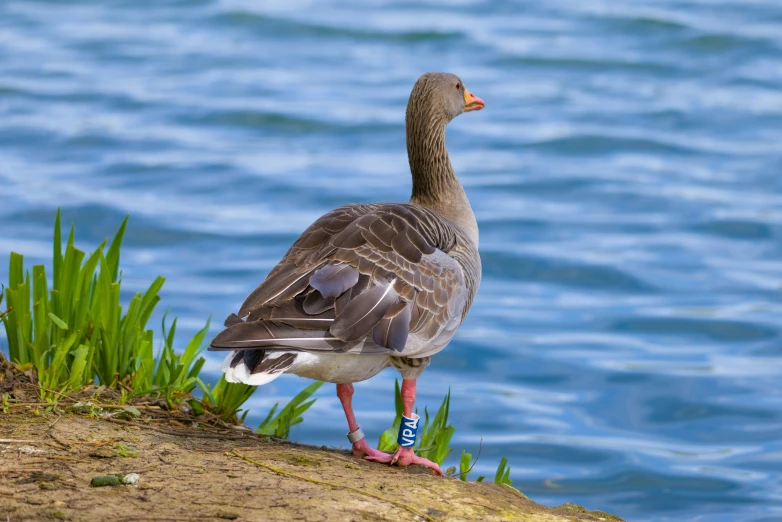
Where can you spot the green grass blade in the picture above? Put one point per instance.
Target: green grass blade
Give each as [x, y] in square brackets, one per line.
[149, 300]
[503, 473]
[265, 425]
[112, 257]
[290, 414]
[207, 391]
[18, 305]
[57, 254]
[387, 440]
[42, 335]
[16, 271]
[59, 322]
[194, 347]
[305, 394]
[464, 465]
[77, 376]
[82, 293]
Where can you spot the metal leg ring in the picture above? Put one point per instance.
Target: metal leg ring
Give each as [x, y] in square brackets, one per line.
[355, 436]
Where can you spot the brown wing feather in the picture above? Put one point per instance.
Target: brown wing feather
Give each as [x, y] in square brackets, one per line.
[364, 312]
[340, 269]
[393, 329]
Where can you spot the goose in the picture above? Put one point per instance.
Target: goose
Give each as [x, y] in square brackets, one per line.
[368, 286]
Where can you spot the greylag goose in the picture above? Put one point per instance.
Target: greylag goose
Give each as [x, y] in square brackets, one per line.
[371, 286]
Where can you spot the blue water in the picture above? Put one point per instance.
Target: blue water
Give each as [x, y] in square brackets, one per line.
[625, 349]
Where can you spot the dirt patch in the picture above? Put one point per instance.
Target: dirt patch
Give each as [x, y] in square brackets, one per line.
[203, 472]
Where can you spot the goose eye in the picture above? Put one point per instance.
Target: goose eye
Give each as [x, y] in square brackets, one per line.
[458, 85]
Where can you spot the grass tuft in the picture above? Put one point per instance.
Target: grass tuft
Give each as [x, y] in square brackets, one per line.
[435, 439]
[77, 332]
[503, 473]
[290, 415]
[226, 399]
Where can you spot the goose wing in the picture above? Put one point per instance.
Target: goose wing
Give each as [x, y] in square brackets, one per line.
[361, 279]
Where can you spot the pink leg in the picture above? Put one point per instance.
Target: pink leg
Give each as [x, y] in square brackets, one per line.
[360, 447]
[406, 456]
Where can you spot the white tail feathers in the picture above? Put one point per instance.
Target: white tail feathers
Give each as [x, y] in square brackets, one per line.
[240, 372]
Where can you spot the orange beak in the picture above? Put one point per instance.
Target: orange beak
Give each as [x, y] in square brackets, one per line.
[472, 102]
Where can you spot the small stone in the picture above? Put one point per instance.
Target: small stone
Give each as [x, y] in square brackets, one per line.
[103, 453]
[29, 450]
[131, 479]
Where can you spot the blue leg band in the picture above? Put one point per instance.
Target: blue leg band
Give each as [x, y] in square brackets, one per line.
[408, 431]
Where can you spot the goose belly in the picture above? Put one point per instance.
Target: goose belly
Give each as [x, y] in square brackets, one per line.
[339, 368]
